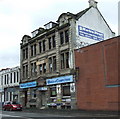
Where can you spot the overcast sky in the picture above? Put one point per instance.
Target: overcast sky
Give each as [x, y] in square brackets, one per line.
[20, 17]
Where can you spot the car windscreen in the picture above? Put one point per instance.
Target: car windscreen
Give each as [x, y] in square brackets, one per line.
[15, 103]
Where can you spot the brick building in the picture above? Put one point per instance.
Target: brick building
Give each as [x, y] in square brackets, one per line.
[99, 75]
[47, 58]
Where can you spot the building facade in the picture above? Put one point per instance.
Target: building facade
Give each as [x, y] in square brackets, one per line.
[48, 73]
[9, 83]
[98, 82]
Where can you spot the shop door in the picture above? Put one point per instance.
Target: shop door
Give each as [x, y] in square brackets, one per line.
[43, 98]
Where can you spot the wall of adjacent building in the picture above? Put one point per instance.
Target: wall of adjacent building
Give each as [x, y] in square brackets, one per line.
[99, 77]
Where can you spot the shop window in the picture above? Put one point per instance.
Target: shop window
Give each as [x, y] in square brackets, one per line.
[53, 92]
[66, 90]
[33, 93]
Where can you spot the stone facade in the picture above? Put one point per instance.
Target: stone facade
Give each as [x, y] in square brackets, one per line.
[48, 72]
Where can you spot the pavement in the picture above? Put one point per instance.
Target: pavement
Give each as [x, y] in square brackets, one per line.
[74, 112]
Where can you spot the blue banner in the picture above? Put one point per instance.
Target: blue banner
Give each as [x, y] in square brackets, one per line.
[58, 80]
[28, 85]
[89, 33]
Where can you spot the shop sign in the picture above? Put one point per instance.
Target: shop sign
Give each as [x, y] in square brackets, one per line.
[59, 80]
[42, 88]
[28, 85]
[89, 33]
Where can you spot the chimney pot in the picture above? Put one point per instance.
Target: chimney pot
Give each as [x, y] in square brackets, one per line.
[92, 3]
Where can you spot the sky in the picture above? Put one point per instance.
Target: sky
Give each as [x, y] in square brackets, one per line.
[21, 17]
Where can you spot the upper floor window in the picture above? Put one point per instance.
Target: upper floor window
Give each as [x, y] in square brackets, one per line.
[25, 71]
[64, 60]
[14, 77]
[25, 53]
[33, 50]
[51, 42]
[33, 69]
[42, 68]
[52, 64]
[42, 46]
[64, 37]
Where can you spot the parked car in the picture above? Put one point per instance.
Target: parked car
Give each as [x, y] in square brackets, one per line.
[12, 106]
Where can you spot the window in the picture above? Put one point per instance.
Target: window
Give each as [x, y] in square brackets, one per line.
[25, 71]
[33, 69]
[33, 50]
[43, 45]
[67, 59]
[62, 61]
[61, 38]
[40, 47]
[17, 76]
[7, 79]
[40, 67]
[53, 92]
[66, 90]
[50, 64]
[50, 42]
[66, 36]
[44, 68]
[10, 77]
[54, 43]
[33, 93]
[14, 77]
[54, 63]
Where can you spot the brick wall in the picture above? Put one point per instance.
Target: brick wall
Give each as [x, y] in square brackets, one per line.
[98, 85]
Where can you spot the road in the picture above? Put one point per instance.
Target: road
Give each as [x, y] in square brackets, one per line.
[33, 115]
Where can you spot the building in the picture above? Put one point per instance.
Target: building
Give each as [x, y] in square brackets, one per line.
[9, 83]
[98, 81]
[47, 58]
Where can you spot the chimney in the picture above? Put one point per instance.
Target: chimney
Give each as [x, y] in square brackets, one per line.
[119, 18]
[92, 3]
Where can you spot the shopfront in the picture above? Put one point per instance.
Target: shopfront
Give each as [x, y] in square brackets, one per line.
[28, 94]
[61, 92]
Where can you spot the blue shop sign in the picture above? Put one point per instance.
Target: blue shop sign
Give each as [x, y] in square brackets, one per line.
[28, 85]
[89, 33]
[58, 80]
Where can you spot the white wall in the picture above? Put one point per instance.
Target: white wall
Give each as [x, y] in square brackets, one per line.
[93, 20]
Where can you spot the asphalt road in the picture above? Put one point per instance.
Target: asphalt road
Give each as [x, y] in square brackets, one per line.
[33, 115]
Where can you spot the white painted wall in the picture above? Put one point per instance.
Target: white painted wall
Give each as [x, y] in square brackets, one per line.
[93, 20]
[119, 18]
